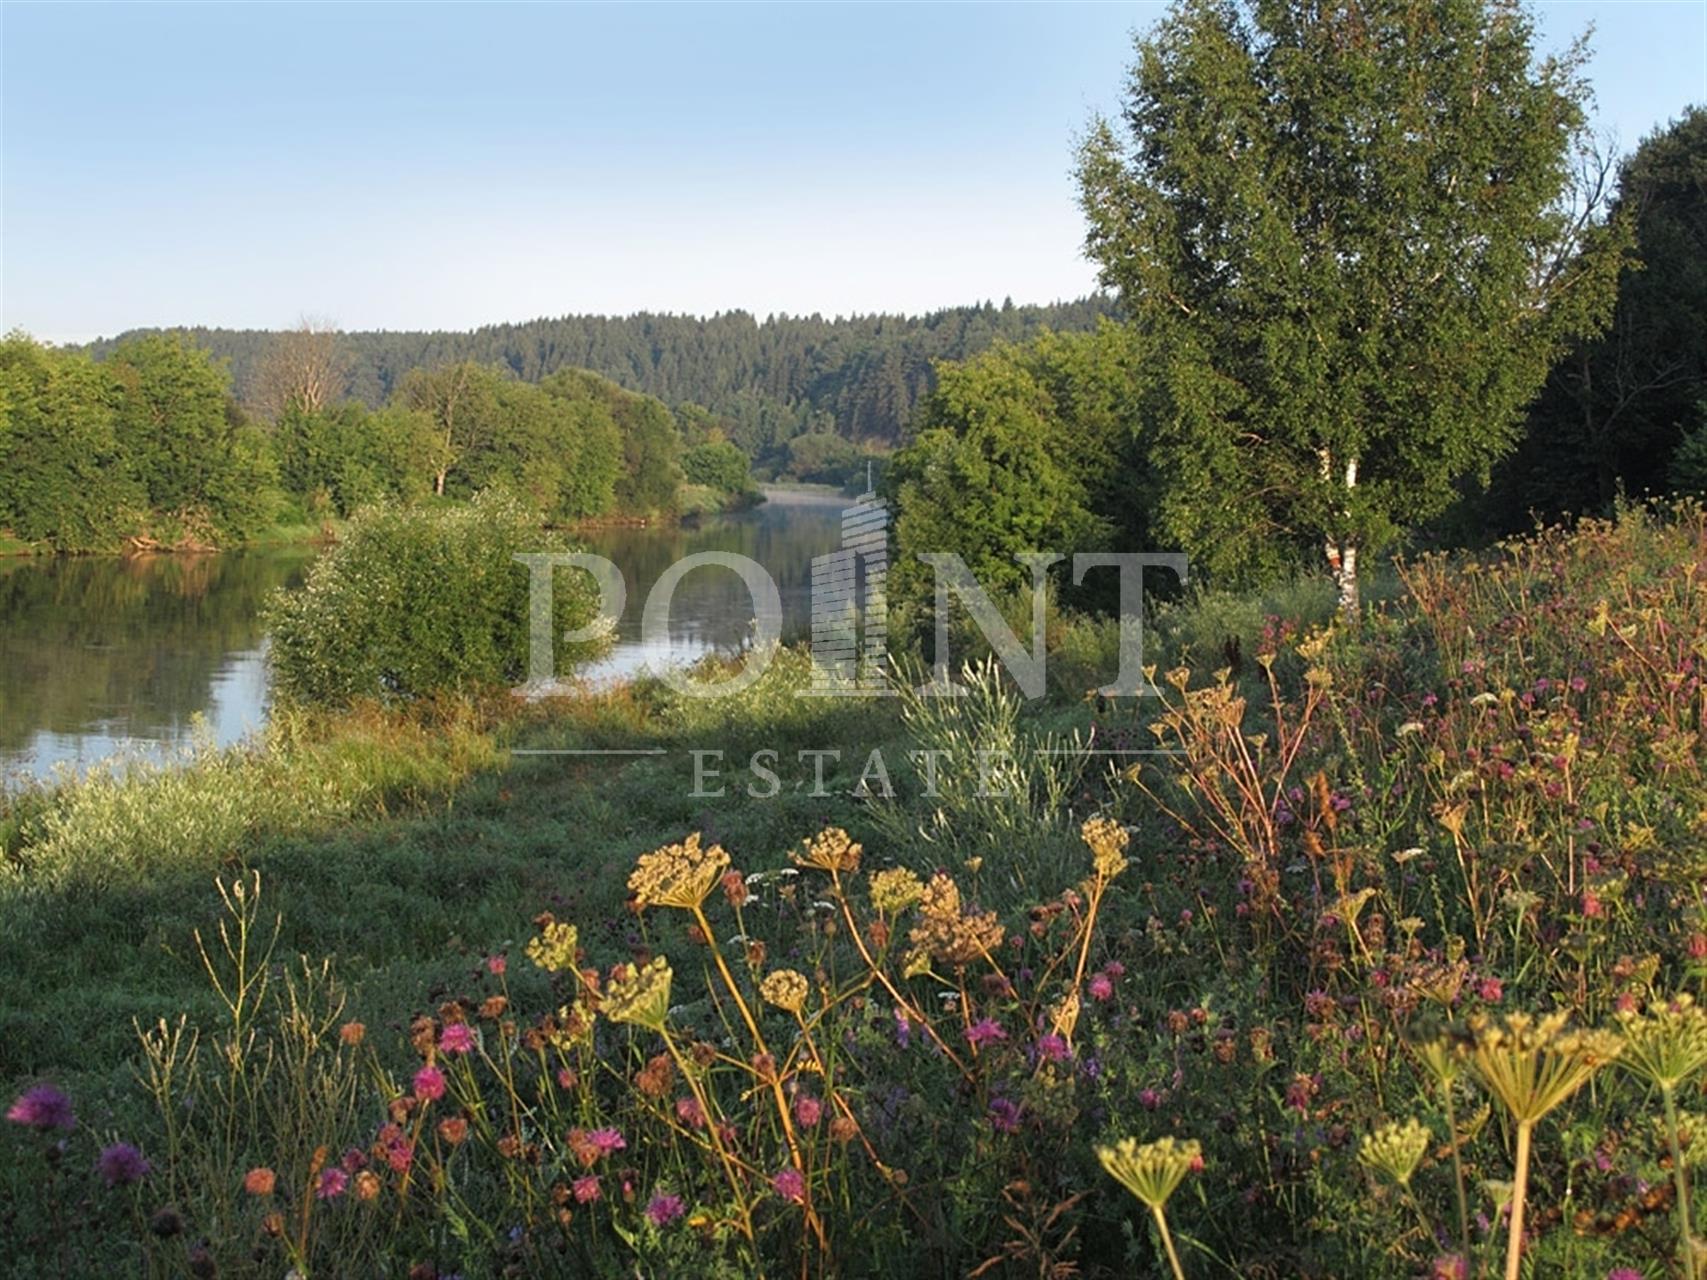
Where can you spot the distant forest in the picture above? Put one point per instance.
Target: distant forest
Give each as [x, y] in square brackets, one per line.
[768, 381]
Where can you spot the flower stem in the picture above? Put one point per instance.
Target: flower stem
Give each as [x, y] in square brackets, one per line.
[1519, 1189]
[1167, 1240]
[1686, 1238]
[1457, 1172]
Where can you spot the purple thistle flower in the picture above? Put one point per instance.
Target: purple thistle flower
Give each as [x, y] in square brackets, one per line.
[121, 1164]
[1004, 1115]
[1053, 1048]
[984, 1031]
[662, 1210]
[333, 1182]
[42, 1107]
[457, 1038]
[790, 1185]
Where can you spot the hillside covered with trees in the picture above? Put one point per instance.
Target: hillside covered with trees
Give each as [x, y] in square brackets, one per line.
[857, 377]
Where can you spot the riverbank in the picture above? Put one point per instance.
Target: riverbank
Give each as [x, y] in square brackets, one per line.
[1487, 798]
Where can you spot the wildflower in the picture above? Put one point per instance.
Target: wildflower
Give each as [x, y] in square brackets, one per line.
[121, 1164]
[895, 890]
[1101, 988]
[367, 1185]
[1151, 1172]
[786, 989]
[1053, 1048]
[260, 1181]
[1666, 1045]
[808, 1110]
[495, 965]
[1107, 841]
[1490, 990]
[735, 889]
[843, 1128]
[1624, 1273]
[947, 934]
[429, 1084]
[587, 1189]
[790, 1185]
[831, 850]
[166, 1223]
[457, 1038]
[690, 1113]
[454, 1130]
[662, 1210]
[1395, 1150]
[678, 875]
[1533, 1065]
[607, 1141]
[655, 1078]
[1004, 1115]
[42, 1107]
[333, 1182]
[555, 948]
[983, 1032]
[641, 996]
[1451, 1266]
[351, 1034]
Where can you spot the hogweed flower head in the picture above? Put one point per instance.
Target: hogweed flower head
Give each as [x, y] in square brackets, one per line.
[642, 996]
[555, 947]
[1395, 1149]
[830, 850]
[948, 934]
[1533, 1064]
[1151, 1172]
[1666, 1045]
[786, 989]
[895, 890]
[1107, 841]
[678, 875]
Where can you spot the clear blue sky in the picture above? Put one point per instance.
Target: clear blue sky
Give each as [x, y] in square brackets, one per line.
[445, 166]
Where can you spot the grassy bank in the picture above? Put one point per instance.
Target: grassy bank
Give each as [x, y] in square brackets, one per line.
[1488, 798]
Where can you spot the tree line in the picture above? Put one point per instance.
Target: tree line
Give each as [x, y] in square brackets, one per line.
[149, 444]
[1376, 286]
[766, 382]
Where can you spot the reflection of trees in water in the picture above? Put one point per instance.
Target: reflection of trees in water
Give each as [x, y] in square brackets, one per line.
[712, 604]
[96, 639]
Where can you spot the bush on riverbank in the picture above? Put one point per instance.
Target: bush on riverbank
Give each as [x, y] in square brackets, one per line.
[1301, 949]
[417, 601]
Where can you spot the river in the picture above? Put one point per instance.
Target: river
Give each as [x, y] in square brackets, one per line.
[104, 657]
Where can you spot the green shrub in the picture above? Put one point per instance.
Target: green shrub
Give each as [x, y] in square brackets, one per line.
[717, 463]
[414, 602]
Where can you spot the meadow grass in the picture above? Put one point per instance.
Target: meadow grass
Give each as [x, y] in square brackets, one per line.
[1292, 962]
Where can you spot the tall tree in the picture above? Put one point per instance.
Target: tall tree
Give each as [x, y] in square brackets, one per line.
[305, 369]
[1344, 232]
[1617, 407]
[462, 399]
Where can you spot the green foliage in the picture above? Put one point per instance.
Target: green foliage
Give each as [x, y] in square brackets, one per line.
[413, 602]
[1022, 449]
[1689, 461]
[765, 381]
[64, 477]
[1348, 271]
[147, 444]
[718, 464]
[1618, 405]
[355, 456]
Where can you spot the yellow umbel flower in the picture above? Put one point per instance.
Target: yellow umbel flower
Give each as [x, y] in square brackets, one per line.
[1667, 1044]
[642, 996]
[829, 850]
[1107, 841]
[554, 949]
[1153, 1171]
[1532, 1065]
[786, 989]
[1395, 1149]
[947, 934]
[678, 875]
[895, 890]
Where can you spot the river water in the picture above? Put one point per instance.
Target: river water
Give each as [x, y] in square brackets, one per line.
[105, 657]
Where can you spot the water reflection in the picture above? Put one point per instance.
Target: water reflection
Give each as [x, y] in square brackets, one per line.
[106, 656]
